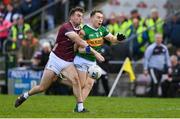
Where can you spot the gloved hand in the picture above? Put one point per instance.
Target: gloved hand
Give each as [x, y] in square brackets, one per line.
[121, 37]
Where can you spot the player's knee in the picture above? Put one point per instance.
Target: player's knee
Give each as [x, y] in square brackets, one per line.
[90, 83]
[75, 81]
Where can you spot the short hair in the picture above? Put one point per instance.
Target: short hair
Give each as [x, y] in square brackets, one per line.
[73, 10]
[158, 34]
[29, 31]
[173, 57]
[154, 10]
[94, 12]
[178, 50]
[134, 11]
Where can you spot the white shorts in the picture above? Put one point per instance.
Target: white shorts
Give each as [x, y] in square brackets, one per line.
[83, 64]
[56, 64]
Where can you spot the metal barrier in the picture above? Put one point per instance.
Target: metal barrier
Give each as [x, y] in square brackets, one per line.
[43, 11]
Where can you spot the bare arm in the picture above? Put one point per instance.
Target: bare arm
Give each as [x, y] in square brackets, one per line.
[98, 56]
[114, 39]
[83, 44]
[77, 39]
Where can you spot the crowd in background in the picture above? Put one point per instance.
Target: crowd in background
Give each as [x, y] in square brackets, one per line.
[140, 32]
[18, 34]
[146, 28]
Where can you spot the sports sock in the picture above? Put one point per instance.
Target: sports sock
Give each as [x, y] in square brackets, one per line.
[26, 95]
[80, 106]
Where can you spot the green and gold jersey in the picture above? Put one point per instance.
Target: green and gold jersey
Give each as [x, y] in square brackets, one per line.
[94, 37]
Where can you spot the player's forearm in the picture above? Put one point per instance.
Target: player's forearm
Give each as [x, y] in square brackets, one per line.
[82, 43]
[98, 56]
[77, 39]
[93, 51]
[114, 40]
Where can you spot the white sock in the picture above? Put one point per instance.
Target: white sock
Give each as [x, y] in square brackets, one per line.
[80, 106]
[26, 95]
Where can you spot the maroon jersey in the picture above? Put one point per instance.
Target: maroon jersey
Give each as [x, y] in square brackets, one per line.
[64, 47]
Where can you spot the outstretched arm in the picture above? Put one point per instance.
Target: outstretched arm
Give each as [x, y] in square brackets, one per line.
[115, 39]
[79, 41]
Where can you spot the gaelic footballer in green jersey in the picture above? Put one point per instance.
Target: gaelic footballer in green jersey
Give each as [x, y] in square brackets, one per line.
[94, 34]
[94, 37]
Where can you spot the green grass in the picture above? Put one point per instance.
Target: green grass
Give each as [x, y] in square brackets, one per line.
[62, 106]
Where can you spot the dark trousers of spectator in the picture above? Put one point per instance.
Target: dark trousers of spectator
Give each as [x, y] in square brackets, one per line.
[104, 80]
[170, 89]
[156, 76]
[1, 43]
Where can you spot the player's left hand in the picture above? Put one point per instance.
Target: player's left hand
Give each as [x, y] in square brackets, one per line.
[121, 37]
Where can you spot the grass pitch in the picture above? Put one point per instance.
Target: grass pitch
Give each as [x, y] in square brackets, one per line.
[100, 107]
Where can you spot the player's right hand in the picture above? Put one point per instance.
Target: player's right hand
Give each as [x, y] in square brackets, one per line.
[99, 57]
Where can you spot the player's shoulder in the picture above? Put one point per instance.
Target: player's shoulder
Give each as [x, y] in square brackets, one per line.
[85, 26]
[103, 27]
[66, 25]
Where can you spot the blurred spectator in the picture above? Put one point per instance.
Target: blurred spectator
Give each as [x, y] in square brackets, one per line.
[15, 19]
[168, 5]
[171, 86]
[6, 2]
[79, 3]
[113, 26]
[28, 47]
[16, 3]
[29, 6]
[2, 7]
[123, 23]
[178, 55]
[114, 2]
[9, 13]
[154, 24]
[18, 31]
[172, 31]
[156, 63]
[4, 30]
[141, 4]
[41, 57]
[140, 39]
[135, 14]
[36, 59]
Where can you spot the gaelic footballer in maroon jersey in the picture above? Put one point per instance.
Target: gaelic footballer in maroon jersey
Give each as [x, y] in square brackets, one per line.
[61, 58]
